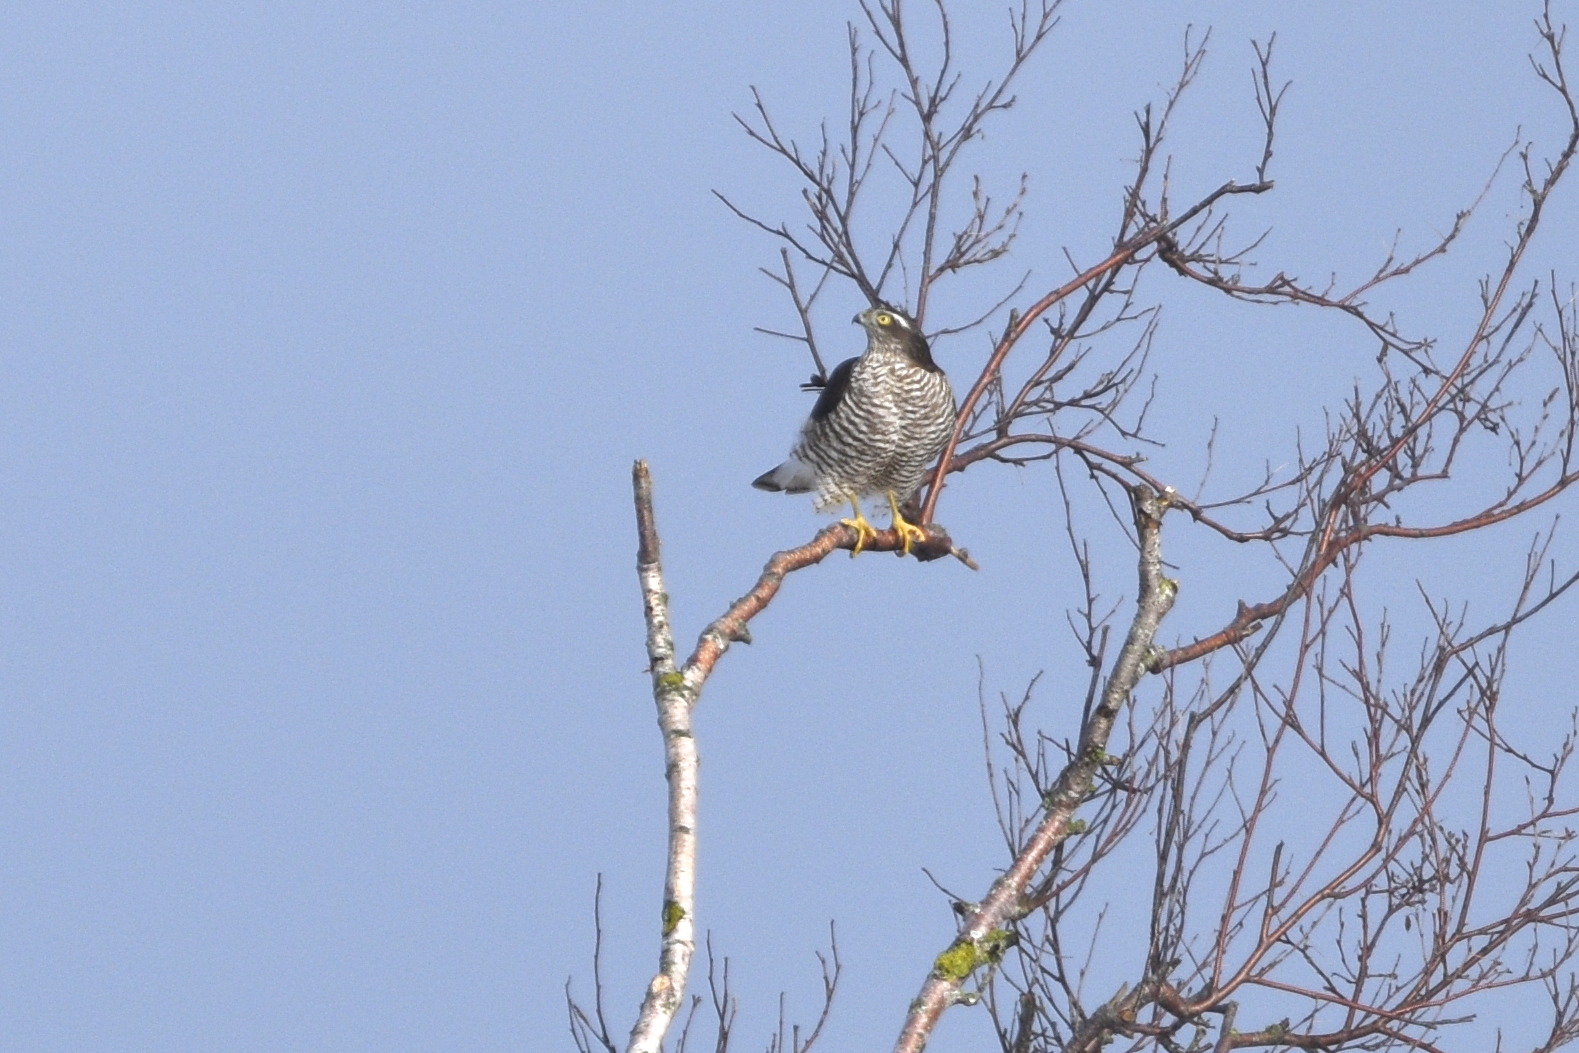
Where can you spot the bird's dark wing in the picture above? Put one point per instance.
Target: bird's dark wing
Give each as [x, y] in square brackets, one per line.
[833, 391]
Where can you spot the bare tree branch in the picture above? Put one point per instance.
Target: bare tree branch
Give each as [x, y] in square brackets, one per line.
[674, 697]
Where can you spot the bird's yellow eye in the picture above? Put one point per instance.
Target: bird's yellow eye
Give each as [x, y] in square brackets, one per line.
[883, 318]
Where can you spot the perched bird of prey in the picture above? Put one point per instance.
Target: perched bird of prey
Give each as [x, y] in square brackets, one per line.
[879, 423]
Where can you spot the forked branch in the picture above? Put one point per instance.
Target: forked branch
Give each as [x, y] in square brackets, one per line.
[987, 929]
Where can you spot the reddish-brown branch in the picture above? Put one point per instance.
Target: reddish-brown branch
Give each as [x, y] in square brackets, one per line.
[731, 626]
[1021, 324]
[1248, 618]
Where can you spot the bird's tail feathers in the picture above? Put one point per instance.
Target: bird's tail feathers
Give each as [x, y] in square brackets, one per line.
[794, 476]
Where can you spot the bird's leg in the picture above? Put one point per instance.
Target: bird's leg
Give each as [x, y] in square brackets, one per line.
[909, 533]
[864, 531]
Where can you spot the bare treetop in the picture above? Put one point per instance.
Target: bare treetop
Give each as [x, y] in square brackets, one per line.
[1332, 836]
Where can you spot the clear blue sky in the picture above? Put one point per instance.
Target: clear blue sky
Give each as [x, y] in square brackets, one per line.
[328, 334]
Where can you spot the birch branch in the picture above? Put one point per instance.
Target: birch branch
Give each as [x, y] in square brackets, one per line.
[674, 698]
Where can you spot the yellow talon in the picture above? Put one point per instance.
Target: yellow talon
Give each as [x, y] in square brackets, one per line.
[864, 531]
[909, 533]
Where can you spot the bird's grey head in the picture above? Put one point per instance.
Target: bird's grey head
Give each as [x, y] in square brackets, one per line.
[894, 330]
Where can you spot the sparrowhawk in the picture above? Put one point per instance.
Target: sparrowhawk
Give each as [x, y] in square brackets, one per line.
[879, 423]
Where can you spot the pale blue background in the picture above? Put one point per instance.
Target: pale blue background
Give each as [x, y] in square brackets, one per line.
[328, 334]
